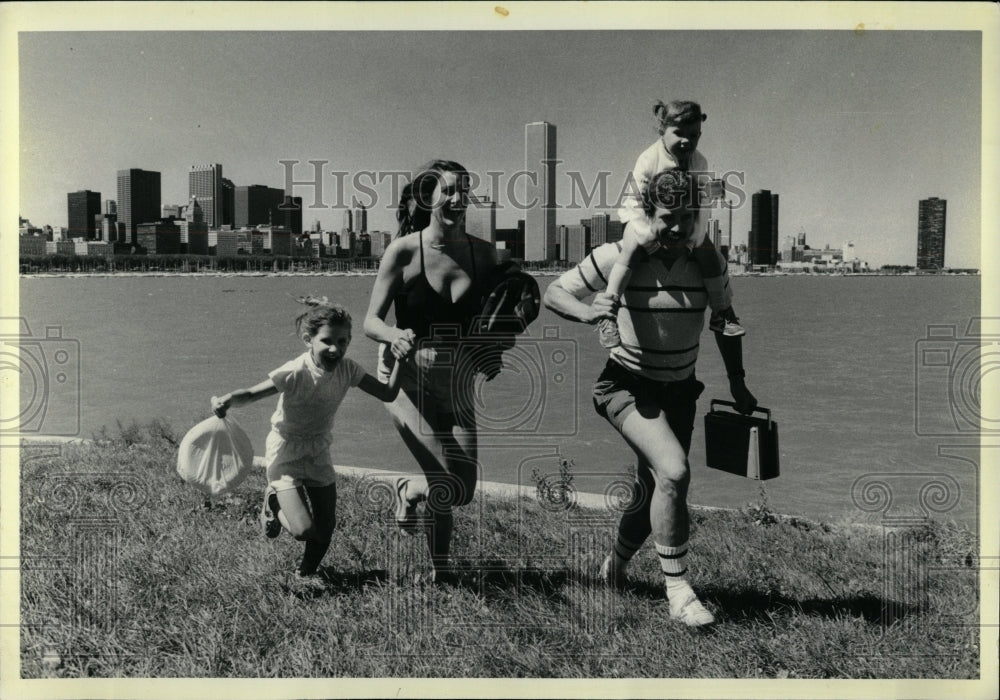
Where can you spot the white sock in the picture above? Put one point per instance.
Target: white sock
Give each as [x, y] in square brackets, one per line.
[673, 563]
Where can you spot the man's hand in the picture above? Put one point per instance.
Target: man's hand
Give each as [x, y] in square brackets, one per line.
[745, 401]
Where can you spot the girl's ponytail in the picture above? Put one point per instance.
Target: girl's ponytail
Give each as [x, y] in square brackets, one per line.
[321, 311]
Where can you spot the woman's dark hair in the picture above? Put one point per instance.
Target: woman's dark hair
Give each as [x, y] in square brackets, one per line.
[320, 313]
[669, 189]
[417, 198]
[677, 112]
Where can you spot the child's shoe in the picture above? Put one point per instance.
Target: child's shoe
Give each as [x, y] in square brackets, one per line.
[405, 511]
[726, 323]
[269, 522]
[607, 328]
[608, 332]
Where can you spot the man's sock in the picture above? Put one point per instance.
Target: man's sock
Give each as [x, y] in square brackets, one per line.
[673, 563]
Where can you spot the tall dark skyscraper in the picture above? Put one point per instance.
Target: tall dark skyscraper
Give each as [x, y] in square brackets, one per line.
[228, 202]
[84, 206]
[256, 205]
[930, 234]
[540, 191]
[764, 228]
[138, 200]
[205, 183]
[289, 215]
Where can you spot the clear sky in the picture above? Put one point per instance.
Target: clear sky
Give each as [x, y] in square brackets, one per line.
[850, 128]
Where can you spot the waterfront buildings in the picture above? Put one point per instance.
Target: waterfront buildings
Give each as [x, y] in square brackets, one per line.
[513, 241]
[159, 238]
[138, 200]
[83, 208]
[540, 191]
[930, 233]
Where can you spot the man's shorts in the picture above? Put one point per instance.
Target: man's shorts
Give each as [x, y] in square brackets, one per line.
[293, 462]
[618, 393]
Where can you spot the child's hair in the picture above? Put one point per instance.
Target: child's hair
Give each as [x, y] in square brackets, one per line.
[677, 112]
[417, 198]
[320, 313]
[669, 189]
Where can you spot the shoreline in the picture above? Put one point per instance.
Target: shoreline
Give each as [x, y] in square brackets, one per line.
[579, 499]
[533, 273]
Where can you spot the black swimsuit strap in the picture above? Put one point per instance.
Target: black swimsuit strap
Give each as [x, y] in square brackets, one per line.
[420, 236]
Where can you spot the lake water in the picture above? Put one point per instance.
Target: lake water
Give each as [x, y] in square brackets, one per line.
[840, 361]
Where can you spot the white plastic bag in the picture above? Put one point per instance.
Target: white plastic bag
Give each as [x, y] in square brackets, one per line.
[215, 455]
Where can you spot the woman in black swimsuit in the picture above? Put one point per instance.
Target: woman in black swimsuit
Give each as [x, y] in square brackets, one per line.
[431, 274]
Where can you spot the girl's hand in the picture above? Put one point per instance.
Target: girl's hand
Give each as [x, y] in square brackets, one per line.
[221, 405]
[404, 343]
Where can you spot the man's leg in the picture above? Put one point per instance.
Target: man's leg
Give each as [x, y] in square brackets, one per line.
[633, 528]
[652, 437]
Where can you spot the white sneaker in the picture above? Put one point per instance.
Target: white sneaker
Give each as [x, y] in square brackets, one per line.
[689, 610]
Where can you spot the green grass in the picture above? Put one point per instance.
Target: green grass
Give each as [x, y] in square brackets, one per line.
[148, 581]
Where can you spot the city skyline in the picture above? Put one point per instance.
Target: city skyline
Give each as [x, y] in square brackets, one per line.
[863, 147]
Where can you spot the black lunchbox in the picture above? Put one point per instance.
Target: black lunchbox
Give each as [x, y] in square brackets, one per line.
[743, 445]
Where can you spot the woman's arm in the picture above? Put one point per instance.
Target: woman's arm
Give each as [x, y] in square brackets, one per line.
[241, 397]
[388, 282]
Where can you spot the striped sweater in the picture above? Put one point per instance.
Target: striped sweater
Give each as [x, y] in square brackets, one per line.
[662, 312]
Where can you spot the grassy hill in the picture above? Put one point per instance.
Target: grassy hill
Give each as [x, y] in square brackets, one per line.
[128, 572]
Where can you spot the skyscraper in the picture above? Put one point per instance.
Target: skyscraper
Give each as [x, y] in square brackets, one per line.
[205, 183]
[83, 207]
[253, 205]
[599, 229]
[361, 219]
[764, 228]
[930, 233]
[288, 215]
[481, 218]
[540, 191]
[228, 202]
[138, 199]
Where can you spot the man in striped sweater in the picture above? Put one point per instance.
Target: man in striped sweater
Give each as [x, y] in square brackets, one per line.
[648, 389]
